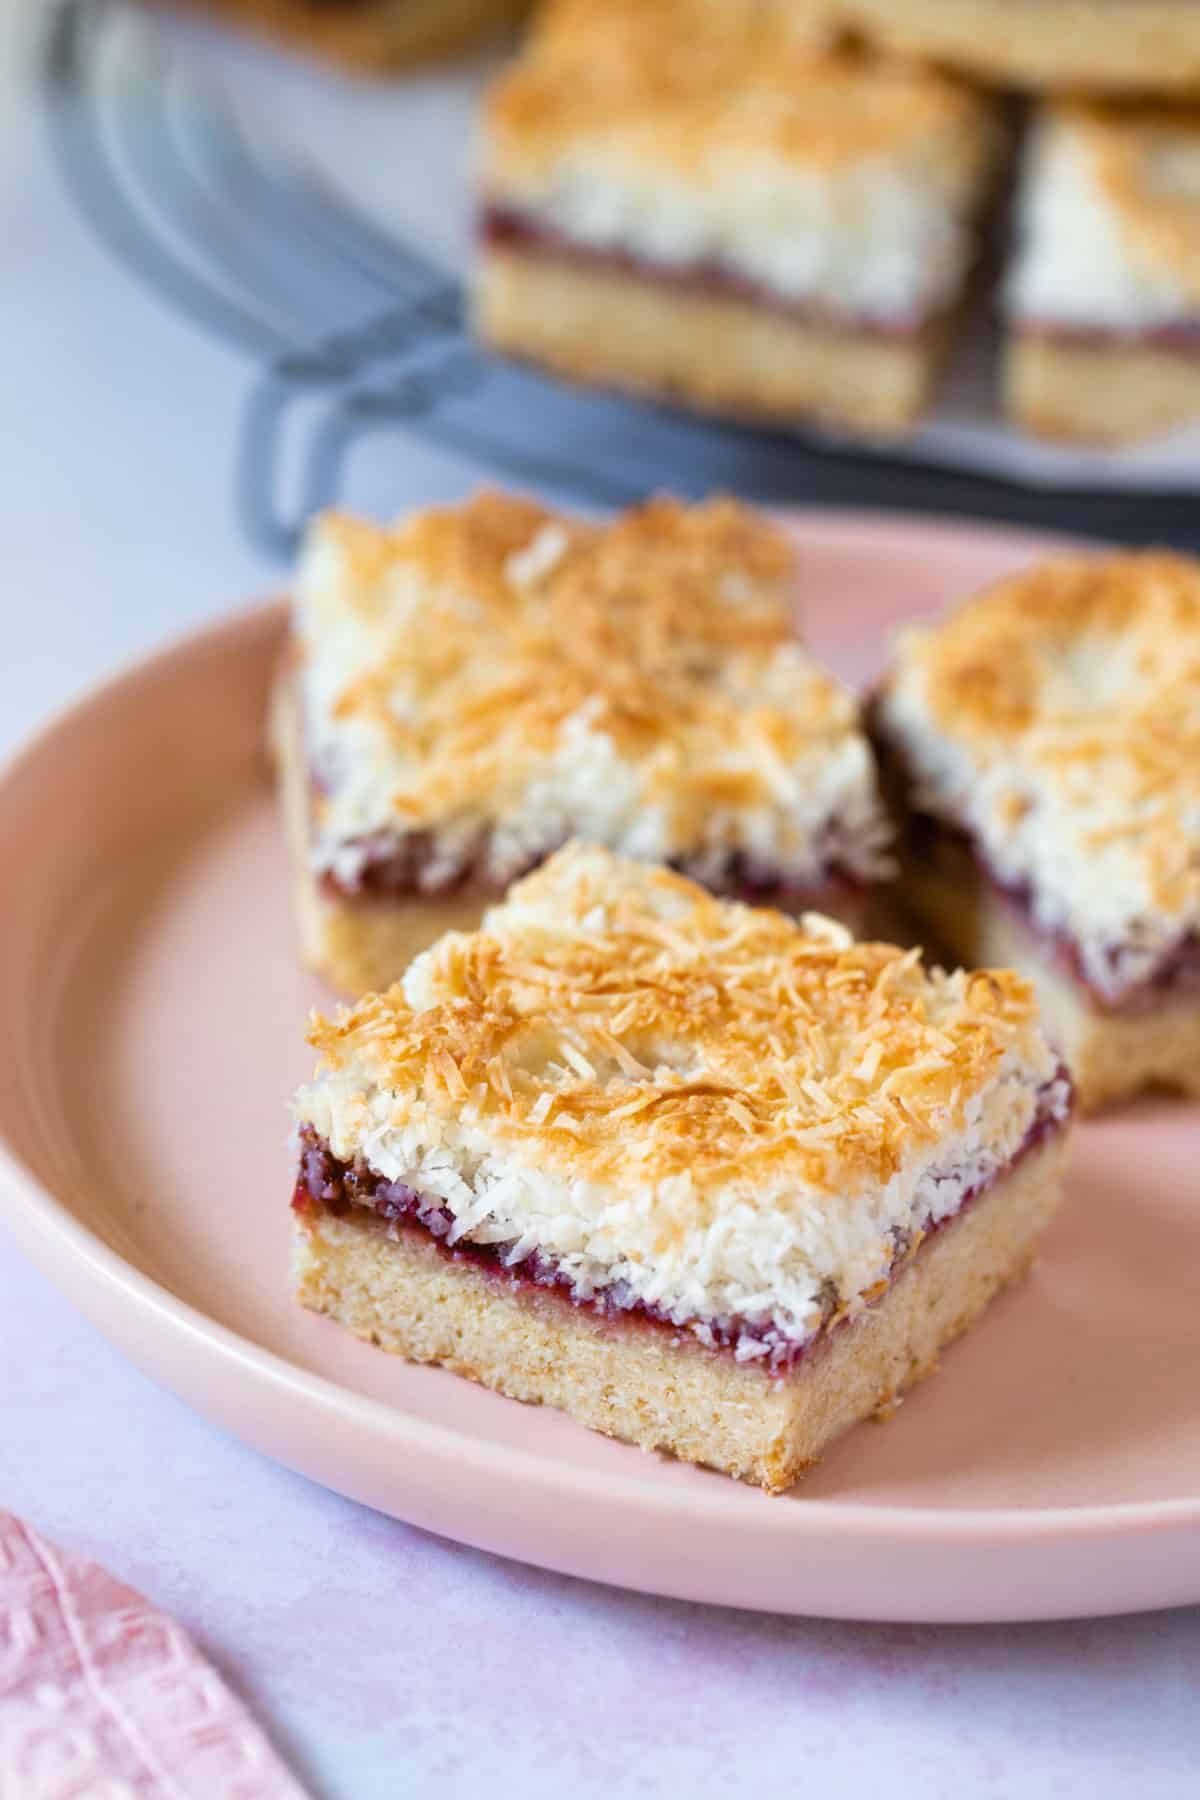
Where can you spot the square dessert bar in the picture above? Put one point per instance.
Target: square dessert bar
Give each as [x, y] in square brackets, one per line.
[473, 687]
[1047, 735]
[689, 201]
[1103, 300]
[1128, 46]
[370, 35]
[710, 1180]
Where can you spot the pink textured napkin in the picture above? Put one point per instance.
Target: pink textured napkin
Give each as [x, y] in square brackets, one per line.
[103, 1698]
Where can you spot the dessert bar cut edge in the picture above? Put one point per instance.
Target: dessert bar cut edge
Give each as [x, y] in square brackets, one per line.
[1115, 393]
[1111, 1054]
[643, 1382]
[713, 352]
[359, 945]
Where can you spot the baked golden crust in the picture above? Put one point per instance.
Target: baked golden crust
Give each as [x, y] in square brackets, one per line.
[1105, 391]
[619, 31]
[678, 83]
[616, 1022]
[1087, 670]
[374, 34]
[1083, 46]
[665, 1390]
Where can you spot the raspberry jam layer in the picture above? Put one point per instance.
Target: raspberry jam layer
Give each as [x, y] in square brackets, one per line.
[1176, 977]
[324, 1184]
[505, 229]
[395, 866]
[1181, 336]
[956, 855]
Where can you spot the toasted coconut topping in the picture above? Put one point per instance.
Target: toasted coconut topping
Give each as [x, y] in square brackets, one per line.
[1110, 217]
[1147, 161]
[1057, 717]
[707, 1101]
[755, 80]
[496, 672]
[683, 132]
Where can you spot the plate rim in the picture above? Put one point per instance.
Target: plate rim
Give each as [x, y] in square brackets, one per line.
[78, 1261]
[47, 1219]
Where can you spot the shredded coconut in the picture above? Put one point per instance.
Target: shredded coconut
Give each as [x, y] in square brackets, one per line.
[496, 675]
[820, 178]
[1057, 719]
[709, 1107]
[1109, 220]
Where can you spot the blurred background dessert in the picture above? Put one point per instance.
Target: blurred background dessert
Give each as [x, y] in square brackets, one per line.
[723, 205]
[781, 248]
[699, 207]
[373, 35]
[1045, 46]
[1103, 301]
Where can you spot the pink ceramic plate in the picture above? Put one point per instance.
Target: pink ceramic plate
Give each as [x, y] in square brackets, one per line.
[151, 1030]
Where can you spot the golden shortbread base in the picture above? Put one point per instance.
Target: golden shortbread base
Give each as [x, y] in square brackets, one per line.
[1092, 394]
[377, 35]
[716, 353]
[1144, 46]
[663, 1391]
[1111, 1055]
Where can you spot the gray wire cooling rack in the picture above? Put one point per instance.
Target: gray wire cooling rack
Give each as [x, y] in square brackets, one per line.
[351, 331]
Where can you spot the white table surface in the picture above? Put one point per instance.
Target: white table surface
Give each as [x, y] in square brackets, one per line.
[386, 1662]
